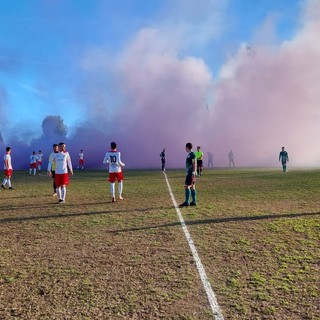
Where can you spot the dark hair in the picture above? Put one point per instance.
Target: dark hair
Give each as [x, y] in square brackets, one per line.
[54, 145]
[8, 149]
[61, 143]
[189, 145]
[113, 145]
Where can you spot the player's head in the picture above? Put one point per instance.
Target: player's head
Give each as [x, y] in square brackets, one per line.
[198, 148]
[39, 151]
[33, 152]
[8, 149]
[189, 146]
[282, 148]
[62, 146]
[113, 146]
[55, 147]
[81, 150]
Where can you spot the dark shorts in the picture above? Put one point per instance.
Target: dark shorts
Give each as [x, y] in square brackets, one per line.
[190, 180]
[53, 173]
[200, 163]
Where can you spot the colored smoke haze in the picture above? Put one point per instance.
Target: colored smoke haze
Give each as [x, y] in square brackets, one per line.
[151, 97]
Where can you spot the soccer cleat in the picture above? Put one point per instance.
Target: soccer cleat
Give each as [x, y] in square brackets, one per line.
[184, 204]
[120, 198]
[193, 203]
[55, 194]
[3, 187]
[61, 201]
[113, 199]
[10, 188]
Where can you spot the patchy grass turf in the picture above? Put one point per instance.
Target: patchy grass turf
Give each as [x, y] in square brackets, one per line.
[256, 231]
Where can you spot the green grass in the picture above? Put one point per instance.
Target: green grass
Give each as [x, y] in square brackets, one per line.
[256, 231]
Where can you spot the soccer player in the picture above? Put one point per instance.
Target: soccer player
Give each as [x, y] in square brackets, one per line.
[113, 157]
[52, 170]
[284, 158]
[231, 159]
[7, 169]
[199, 156]
[81, 160]
[63, 163]
[163, 159]
[33, 163]
[190, 182]
[39, 160]
[210, 159]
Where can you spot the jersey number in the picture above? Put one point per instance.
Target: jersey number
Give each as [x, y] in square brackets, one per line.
[113, 159]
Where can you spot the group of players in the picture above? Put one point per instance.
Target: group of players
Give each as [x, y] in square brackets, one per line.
[60, 167]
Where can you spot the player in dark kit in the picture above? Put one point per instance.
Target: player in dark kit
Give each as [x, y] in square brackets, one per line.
[284, 158]
[163, 159]
[191, 170]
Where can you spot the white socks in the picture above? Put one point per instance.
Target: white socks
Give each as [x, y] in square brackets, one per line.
[120, 188]
[112, 187]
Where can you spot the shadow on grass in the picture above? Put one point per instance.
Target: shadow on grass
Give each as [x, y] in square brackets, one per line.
[224, 220]
[75, 214]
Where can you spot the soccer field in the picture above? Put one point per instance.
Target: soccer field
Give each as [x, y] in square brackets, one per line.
[256, 232]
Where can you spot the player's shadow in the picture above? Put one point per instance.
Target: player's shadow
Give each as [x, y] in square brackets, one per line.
[223, 220]
[76, 214]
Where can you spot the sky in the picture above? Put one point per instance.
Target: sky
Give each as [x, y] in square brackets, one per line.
[237, 75]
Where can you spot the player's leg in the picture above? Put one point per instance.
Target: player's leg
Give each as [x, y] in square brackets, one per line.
[63, 193]
[4, 182]
[193, 195]
[187, 191]
[120, 189]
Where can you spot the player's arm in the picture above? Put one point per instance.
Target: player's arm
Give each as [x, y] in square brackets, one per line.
[120, 162]
[105, 159]
[6, 163]
[50, 164]
[194, 166]
[69, 163]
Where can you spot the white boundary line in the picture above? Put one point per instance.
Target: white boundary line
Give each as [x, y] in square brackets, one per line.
[204, 279]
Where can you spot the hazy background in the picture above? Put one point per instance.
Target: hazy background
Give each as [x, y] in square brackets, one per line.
[222, 74]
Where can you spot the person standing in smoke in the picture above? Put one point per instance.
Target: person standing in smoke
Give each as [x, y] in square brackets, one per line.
[113, 157]
[284, 158]
[190, 182]
[39, 160]
[62, 160]
[210, 159]
[199, 155]
[52, 167]
[7, 169]
[33, 163]
[231, 159]
[81, 160]
[163, 159]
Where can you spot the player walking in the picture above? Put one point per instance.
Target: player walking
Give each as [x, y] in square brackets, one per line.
[63, 163]
[52, 170]
[190, 182]
[113, 157]
[7, 169]
[284, 158]
[33, 163]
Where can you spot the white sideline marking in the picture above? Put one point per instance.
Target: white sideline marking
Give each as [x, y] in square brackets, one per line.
[204, 279]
